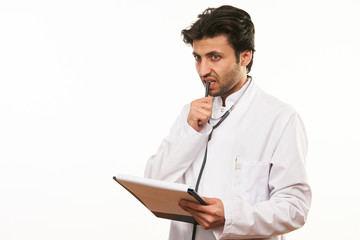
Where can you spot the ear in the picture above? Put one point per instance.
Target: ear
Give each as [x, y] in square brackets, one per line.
[245, 57]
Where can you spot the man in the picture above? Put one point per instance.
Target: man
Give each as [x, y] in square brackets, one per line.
[243, 149]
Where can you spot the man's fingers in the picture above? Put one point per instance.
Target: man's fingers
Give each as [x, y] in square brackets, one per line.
[193, 206]
[199, 116]
[208, 216]
[205, 220]
[200, 113]
[188, 204]
[204, 107]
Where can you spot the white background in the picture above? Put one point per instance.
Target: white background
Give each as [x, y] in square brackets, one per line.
[88, 89]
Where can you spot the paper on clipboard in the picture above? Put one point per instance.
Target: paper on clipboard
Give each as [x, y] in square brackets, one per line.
[160, 197]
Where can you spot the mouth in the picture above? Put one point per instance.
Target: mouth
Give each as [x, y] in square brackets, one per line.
[205, 80]
[211, 79]
[212, 82]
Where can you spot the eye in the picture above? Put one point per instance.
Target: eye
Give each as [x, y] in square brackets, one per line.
[215, 57]
[197, 57]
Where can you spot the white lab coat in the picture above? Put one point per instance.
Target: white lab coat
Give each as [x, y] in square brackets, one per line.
[255, 165]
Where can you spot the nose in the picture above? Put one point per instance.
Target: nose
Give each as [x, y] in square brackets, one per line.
[204, 68]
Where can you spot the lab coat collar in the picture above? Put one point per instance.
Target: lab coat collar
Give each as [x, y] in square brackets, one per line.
[218, 110]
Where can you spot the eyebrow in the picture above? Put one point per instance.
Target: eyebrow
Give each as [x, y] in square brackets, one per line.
[209, 53]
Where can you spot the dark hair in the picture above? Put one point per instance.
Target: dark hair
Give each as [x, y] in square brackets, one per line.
[233, 22]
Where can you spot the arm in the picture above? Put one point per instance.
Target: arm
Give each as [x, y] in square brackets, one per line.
[290, 193]
[186, 138]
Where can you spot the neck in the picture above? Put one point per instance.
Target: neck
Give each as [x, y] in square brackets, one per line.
[236, 88]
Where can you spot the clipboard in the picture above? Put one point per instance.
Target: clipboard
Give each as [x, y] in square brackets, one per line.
[161, 197]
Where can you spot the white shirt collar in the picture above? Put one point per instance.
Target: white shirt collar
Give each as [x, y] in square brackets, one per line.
[218, 110]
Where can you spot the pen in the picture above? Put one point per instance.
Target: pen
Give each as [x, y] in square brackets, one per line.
[207, 89]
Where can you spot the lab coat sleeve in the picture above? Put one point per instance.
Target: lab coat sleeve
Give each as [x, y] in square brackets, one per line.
[290, 193]
[177, 151]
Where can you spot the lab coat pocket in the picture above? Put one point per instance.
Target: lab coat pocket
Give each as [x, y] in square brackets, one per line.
[251, 181]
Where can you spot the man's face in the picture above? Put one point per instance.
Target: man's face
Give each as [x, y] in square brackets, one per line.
[216, 62]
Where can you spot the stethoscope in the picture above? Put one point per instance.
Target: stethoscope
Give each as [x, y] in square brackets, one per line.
[222, 118]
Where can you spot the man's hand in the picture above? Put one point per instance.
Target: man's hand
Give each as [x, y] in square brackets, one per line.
[200, 112]
[208, 216]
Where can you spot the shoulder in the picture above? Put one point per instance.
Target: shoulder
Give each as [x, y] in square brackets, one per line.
[270, 109]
